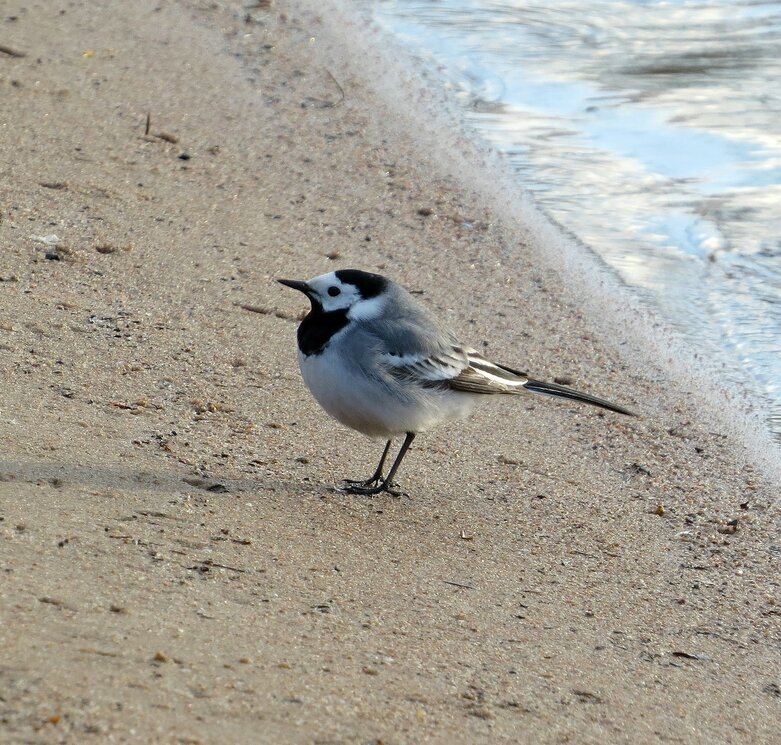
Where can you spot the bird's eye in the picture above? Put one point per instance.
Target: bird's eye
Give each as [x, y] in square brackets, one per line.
[334, 291]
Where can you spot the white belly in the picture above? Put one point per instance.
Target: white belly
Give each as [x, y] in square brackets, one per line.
[374, 408]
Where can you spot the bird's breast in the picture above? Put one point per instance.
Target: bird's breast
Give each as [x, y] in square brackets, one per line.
[373, 402]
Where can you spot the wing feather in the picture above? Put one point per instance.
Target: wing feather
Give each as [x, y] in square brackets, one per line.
[435, 369]
[455, 367]
[483, 376]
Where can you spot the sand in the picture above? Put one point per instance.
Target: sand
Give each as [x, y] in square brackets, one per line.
[176, 564]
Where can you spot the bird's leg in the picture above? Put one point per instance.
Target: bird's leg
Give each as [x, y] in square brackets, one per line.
[387, 484]
[376, 477]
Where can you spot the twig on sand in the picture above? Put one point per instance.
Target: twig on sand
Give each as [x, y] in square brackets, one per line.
[266, 311]
[336, 83]
[149, 135]
[207, 564]
[224, 566]
[322, 103]
[458, 584]
[14, 52]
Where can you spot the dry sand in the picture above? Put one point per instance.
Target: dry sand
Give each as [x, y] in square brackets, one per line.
[175, 564]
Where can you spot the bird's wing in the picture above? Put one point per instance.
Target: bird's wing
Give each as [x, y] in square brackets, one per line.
[464, 369]
[432, 357]
[424, 368]
[416, 349]
[453, 366]
[413, 349]
[483, 376]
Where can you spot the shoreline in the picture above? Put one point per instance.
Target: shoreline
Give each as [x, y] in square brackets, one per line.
[176, 564]
[615, 308]
[599, 215]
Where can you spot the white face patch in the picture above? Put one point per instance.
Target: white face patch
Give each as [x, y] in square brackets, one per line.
[367, 310]
[333, 294]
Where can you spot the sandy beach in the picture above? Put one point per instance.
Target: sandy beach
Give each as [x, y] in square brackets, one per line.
[175, 563]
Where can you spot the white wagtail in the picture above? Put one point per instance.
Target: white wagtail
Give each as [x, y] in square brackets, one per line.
[379, 362]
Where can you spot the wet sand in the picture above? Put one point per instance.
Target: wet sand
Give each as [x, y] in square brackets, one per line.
[176, 565]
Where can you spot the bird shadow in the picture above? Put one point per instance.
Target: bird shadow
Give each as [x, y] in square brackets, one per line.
[126, 479]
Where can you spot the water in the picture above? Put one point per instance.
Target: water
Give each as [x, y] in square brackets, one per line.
[652, 131]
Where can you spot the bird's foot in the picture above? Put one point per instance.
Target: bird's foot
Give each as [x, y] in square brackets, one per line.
[363, 483]
[371, 487]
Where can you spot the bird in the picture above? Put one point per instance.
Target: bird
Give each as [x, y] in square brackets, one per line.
[378, 361]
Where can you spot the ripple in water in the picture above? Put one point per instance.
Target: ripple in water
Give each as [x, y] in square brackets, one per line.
[652, 131]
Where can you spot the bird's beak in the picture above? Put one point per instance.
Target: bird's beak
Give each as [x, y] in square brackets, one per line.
[296, 285]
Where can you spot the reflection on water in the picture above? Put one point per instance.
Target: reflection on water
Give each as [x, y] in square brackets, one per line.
[651, 130]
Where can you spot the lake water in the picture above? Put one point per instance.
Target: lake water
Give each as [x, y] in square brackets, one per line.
[650, 130]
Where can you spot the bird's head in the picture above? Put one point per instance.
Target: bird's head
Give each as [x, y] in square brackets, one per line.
[361, 295]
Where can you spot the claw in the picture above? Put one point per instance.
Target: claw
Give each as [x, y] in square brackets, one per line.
[373, 481]
[365, 490]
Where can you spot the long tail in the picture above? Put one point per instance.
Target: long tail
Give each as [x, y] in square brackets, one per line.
[560, 391]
